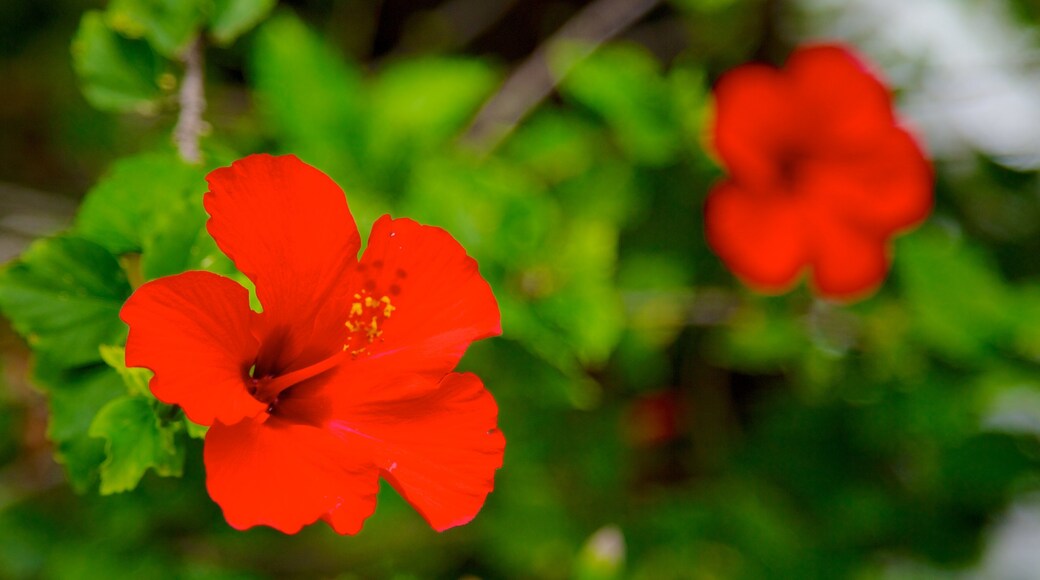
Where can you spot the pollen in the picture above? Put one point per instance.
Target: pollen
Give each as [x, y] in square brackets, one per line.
[373, 332]
[365, 321]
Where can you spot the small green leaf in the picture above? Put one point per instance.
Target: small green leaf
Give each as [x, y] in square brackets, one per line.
[116, 73]
[623, 85]
[555, 145]
[178, 242]
[195, 431]
[418, 104]
[704, 6]
[136, 379]
[308, 93]
[761, 338]
[74, 398]
[64, 297]
[136, 442]
[168, 25]
[429, 98]
[120, 211]
[232, 18]
[587, 309]
[959, 303]
[493, 209]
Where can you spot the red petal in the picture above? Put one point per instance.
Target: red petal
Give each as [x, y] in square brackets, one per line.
[439, 447]
[845, 102]
[286, 476]
[848, 263]
[760, 237]
[440, 301]
[886, 189]
[287, 227]
[754, 119]
[192, 330]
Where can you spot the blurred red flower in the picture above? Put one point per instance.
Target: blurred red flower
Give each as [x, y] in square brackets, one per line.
[346, 374]
[820, 174]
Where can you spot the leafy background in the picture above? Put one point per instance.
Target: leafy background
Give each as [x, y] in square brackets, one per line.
[663, 421]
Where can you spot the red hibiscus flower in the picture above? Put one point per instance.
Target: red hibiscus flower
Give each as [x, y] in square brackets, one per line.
[345, 377]
[821, 176]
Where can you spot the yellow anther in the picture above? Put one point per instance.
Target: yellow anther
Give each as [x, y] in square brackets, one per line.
[373, 330]
[356, 352]
[373, 309]
[389, 308]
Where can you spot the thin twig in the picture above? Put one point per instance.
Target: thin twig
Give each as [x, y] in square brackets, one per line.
[26, 214]
[533, 80]
[471, 18]
[466, 20]
[192, 99]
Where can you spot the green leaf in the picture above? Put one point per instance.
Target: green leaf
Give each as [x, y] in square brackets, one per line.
[704, 6]
[418, 105]
[195, 431]
[168, 25]
[121, 210]
[116, 73]
[959, 304]
[74, 398]
[691, 104]
[179, 242]
[429, 99]
[232, 18]
[558, 370]
[587, 309]
[554, 145]
[623, 85]
[760, 338]
[136, 441]
[135, 379]
[308, 93]
[493, 209]
[64, 297]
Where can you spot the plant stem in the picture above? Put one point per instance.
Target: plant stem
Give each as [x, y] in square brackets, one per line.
[532, 81]
[192, 100]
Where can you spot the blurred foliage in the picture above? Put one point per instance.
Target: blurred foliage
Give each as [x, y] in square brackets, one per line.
[663, 422]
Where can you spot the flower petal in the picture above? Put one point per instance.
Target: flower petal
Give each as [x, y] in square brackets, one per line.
[845, 102]
[286, 476]
[440, 303]
[754, 118]
[885, 190]
[287, 227]
[439, 448]
[760, 237]
[848, 263]
[192, 331]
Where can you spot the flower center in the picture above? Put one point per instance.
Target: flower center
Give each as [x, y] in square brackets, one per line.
[267, 389]
[367, 315]
[787, 168]
[364, 327]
